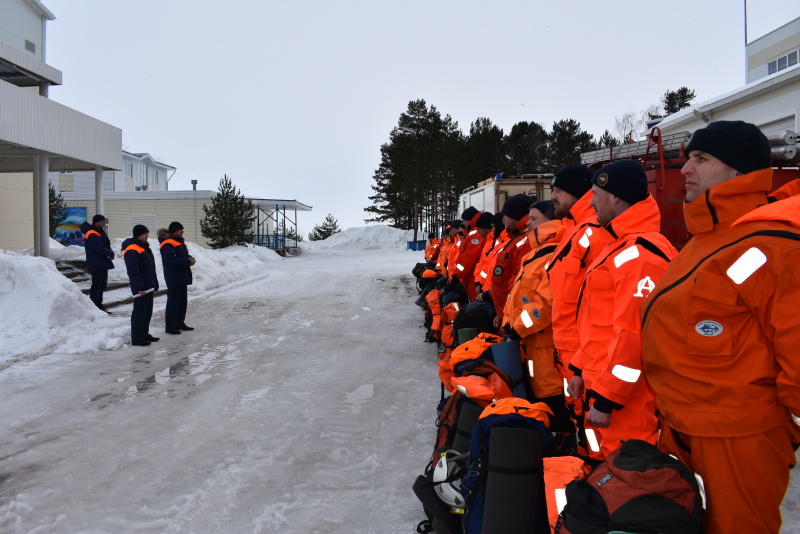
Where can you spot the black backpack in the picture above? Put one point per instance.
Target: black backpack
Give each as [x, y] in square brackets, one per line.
[636, 489]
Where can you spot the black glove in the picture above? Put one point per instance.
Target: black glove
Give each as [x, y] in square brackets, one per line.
[511, 333]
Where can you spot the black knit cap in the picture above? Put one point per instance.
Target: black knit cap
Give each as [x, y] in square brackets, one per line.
[575, 179]
[738, 144]
[484, 221]
[517, 207]
[547, 208]
[140, 229]
[497, 220]
[469, 213]
[97, 218]
[174, 227]
[623, 178]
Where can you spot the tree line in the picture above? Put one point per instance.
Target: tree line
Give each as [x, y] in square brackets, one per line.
[428, 161]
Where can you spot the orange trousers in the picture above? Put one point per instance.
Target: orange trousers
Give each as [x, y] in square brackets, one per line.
[745, 478]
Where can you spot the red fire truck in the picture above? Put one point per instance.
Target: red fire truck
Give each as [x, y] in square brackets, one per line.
[662, 157]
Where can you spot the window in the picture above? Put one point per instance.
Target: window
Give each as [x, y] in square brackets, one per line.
[155, 178]
[142, 175]
[130, 170]
[783, 62]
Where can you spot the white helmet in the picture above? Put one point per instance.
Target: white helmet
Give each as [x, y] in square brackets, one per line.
[447, 478]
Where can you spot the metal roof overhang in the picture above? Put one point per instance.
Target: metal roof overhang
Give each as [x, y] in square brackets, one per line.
[271, 203]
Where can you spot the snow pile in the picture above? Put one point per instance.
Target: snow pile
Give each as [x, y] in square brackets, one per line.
[43, 311]
[364, 238]
[39, 307]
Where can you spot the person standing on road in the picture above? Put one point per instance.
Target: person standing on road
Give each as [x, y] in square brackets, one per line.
[177, 274]
[99, 257]
[721, 331]
[141, 265]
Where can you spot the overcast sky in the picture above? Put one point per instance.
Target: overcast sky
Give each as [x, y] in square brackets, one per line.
[293, 99]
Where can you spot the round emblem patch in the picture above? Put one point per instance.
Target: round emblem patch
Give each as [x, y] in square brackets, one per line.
[475, 241]
[498, 271]
[708, 328]
[536, 314]
[602, 180]
[525, 300]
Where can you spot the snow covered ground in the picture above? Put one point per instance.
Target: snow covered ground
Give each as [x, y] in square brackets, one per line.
[304, 401]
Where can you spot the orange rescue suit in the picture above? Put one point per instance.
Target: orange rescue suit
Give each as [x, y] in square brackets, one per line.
[720, 338]
[528, 310]
[610, 353]
[507, 263]
[441, 257]
[583, 240]
[432, 250]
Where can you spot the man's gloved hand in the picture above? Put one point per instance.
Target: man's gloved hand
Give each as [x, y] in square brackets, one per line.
[511, 333]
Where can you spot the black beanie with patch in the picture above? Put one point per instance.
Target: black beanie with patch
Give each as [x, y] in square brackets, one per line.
[624, 179]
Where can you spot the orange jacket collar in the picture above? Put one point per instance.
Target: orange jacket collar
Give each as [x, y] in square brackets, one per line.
[725, 202]
[550, 231]
[640, 217]
[582, 211]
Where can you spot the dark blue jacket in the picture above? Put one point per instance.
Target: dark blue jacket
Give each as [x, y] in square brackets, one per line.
[175, 259]
[98, 248]
[141, 265]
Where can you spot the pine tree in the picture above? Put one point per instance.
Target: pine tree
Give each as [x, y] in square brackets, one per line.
[229, 219]
[323, 231]
[58, 210]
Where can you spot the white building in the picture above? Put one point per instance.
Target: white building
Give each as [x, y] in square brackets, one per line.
[140, 172]
[38, 135]
[771, 98]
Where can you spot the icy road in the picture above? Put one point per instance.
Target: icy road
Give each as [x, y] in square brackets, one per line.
[303, 402]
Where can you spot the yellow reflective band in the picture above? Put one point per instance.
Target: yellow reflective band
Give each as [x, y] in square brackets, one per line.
[566, 386]
[626, 374]
[561, 499]
[747, 264]
[530, 368]
[702, 486]
[630, 253]
[526, 319]
[592, 439]
[584, 240]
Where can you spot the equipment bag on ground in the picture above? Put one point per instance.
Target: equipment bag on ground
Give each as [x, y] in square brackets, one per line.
[636, 489]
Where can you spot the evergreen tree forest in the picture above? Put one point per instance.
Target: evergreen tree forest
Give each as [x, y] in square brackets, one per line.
[428, 161]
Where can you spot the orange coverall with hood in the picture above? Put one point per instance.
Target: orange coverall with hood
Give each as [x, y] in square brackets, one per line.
[609, 358]
[507, 263]
[528, 311]
[432, 250]
[583, 240]
[441, 257]
[468, 255]
[481, 273]
[721, 334]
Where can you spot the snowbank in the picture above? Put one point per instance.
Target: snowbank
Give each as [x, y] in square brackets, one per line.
[364, 238]
[43, 311]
